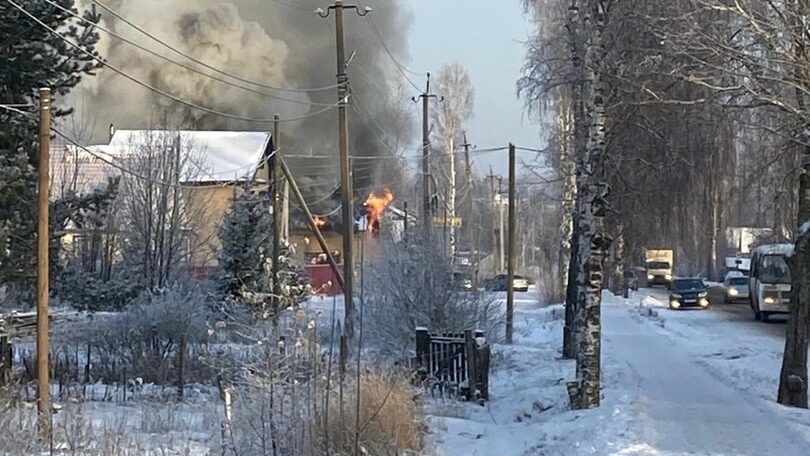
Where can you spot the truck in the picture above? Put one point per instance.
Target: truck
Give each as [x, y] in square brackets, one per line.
[658, 265]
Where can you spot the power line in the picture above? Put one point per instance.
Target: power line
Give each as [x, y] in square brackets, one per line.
[402, 69]
[181, 65]
[138, 175]
[296, 7]
[199, 62]
[155, 89]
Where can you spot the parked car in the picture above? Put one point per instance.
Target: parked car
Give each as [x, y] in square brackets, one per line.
[462, 281]
[631, 279]
[499, 283]
[735, 287]
[688, 292]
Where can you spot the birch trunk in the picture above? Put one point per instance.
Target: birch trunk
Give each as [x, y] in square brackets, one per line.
[619, 283]
[575, 277]
[569, 193]
[451, 200]
[594, 241]
[793, 377]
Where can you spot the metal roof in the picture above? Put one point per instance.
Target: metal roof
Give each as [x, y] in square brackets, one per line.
[218, 156]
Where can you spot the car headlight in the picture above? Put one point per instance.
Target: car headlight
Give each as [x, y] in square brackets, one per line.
[704, 302]
[650, 276]
[733, 292]
[675, 304]
[770, 300]
[677, 296]
[703, 294]
[668, 276]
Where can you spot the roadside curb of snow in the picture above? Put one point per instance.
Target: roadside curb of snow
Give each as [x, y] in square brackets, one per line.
[641, 310]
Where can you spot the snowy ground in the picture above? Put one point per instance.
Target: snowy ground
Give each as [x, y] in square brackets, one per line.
[674, 383]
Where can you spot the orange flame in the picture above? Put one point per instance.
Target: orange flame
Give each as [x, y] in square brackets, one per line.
[320, 222]
[376, 206]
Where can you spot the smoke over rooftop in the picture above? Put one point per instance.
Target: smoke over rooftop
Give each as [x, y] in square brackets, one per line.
[276, 43]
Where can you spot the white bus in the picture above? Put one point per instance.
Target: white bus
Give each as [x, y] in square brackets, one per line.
[769, 282]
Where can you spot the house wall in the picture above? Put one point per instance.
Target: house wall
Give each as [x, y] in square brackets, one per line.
[212, 204]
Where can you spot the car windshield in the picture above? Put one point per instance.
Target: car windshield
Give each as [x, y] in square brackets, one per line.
[738, 281]
[657, 265]
[774, 270]
[688, 284]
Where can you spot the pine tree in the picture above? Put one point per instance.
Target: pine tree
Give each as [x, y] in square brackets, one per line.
[246, 264]
[31, 57]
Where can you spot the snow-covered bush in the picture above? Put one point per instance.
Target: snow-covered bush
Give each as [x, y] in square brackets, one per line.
[411, 286]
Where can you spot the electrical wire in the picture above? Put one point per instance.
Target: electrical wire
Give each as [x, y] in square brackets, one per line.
[181, 65]
[402, 69]
[296, 7]
[138, 175]
[199, 62]
[155, 89]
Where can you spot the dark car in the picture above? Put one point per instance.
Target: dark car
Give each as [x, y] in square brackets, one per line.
[689, 292]
[500, 281]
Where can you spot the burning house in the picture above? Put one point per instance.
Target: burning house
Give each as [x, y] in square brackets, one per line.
[375, 219]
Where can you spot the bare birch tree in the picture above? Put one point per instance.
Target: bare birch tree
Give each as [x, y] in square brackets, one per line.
[161, 213]
[454, 84]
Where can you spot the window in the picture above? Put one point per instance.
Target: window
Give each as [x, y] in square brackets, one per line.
[657, 265]
[689, 284]
[738, 281]
[774, 269]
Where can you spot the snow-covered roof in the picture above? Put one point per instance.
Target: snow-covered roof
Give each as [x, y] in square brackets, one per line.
[219, 156]
[775, 249]
[79, 170]
[744, 263]
[400, 215]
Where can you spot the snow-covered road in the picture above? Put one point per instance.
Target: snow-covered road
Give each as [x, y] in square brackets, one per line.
[674, 383]
[678, 408]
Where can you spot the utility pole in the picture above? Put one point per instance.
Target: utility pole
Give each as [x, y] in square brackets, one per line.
[426, 210]
[494, 241]
[345, 167]
[468, 175]
[405, 222]
[502, 249]
[43, 287]
[510, 295]
[274, 179]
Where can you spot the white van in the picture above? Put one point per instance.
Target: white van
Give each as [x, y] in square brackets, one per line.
[769, 283]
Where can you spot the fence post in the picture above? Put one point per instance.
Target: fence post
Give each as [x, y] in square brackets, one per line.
[5, 360]
[422, 346]
[483, 368]
[471, 351]
[181, 379]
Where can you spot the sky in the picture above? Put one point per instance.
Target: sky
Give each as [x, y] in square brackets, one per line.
[487, 37]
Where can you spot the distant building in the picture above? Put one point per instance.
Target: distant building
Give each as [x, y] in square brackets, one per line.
[219, 162]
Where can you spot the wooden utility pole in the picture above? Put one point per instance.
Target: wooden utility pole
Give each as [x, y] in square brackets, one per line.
[502, 247]
[43, 287]
[510, 287]
[346, 191]
[494, 229]
[470, 192]
[405, 222]
[312, 225]
[427, 216]
[274, 179]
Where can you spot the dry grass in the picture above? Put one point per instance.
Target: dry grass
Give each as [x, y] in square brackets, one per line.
[78, 432]
[391, 421]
